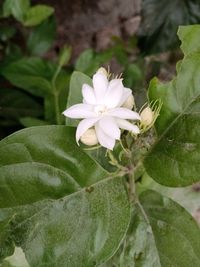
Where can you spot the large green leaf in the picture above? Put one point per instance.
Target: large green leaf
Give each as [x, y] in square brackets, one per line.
[174, 160]
[160, 21]
[30, 74]
[175, 232]
[64, 203]
[42, 37]
[138, 249]
[75, 92]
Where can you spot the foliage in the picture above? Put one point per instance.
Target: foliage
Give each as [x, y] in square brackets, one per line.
[160, 21]
[64, 205]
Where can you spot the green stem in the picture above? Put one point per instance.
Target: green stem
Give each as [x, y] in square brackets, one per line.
[56, 95]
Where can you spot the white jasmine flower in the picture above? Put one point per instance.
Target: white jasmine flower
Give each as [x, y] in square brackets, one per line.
[102, 109]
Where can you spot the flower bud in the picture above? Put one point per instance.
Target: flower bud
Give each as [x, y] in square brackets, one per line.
[89, 138]
[102, 71]
[147, 116]
[129, 103]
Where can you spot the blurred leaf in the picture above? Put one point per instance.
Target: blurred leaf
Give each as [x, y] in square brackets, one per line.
[75, 92]
[160, 35]
[37, 14]
[6, 32]
[30, 74]
[13, 52]
[17, 8]
[42, 37]
[29, 122]
[119, 51]
[64, 56]
[187, 197]
[56, 194]
[85, 61]
[62, 88]
[132, 75]
[88, 62]
[15, 104]
[175, 232]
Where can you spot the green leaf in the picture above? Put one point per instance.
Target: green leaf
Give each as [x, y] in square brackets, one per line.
[174, 159]
[190, 37]
[15, 104]
[138, 248]
[161, 36]
[37, 14]
[85, 60]
[74, 219]
[6, 33]
[88, 62]
[132, 75]
[29, 122]
[16, 8]
[64, 56]
[30, 74]
[6, 244]
[175, 232]
[187, 197]
[75, 92]
[42, 37]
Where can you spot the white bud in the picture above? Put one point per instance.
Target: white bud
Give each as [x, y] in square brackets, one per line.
[89, 138]
[102, 71]
[129, 103]
[147, 116]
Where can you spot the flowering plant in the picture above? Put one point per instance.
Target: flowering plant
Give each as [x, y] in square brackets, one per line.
[108, 202]
[103, 109]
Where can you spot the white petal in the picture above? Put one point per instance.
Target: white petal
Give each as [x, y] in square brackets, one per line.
[100, 84]
[124, 113]
[83, 126]
[126, 125]
[109, 126]
[80, 111]
[104, 139]
[88, 94]
[114, 93]
[126, 93]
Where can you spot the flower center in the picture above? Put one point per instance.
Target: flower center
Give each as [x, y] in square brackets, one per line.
[100, 109]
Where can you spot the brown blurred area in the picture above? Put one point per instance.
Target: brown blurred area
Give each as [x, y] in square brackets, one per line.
[87, 23]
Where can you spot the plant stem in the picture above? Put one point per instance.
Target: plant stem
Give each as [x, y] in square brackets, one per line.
[56, 95]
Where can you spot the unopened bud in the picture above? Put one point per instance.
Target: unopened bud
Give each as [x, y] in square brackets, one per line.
[102, 71]
[129, 103]
[89, 138]
[147, 116]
